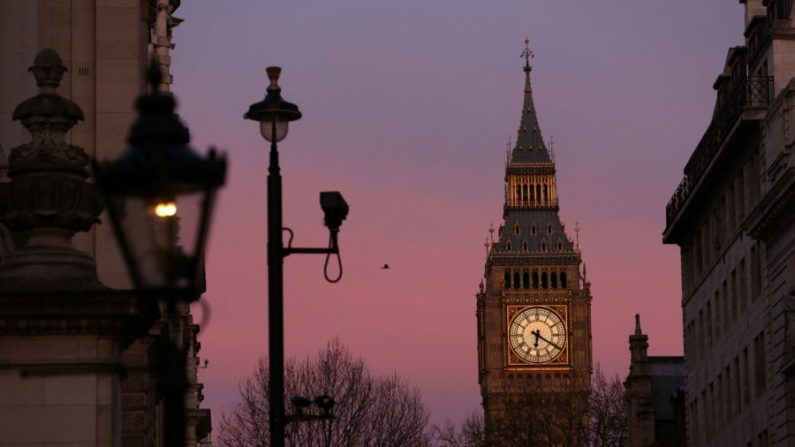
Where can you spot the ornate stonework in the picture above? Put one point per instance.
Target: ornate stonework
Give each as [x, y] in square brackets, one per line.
[47, 199]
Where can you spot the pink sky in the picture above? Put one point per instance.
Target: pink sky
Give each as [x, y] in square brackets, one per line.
[407, 110]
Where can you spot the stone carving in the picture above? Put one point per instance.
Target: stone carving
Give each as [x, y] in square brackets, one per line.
[47, 199]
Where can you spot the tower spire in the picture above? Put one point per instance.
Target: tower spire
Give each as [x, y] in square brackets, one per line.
[530, 147]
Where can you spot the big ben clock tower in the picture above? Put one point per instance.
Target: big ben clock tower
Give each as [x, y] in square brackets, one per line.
[534, 307]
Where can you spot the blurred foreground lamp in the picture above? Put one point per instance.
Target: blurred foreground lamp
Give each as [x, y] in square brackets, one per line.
[160, 195]
[273, 112]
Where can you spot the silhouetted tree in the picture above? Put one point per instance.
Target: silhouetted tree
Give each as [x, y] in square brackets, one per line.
[369, 410]
[469, 434]
[607, 411]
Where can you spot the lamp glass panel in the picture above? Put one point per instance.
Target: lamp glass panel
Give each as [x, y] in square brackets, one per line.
[266, 129]
[159, 231]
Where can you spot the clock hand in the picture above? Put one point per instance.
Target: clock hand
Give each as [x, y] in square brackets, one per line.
[538, 335]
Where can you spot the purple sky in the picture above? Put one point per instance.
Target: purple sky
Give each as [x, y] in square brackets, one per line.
[408, 107]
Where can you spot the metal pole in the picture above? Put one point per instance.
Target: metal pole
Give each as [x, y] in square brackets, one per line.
[275, 299]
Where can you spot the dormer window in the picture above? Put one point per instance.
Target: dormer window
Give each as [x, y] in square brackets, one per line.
[543, 245]
[560, 245]
[533, 229]
[549, 228]
[516, 229]
[508, 246]
[524, 247]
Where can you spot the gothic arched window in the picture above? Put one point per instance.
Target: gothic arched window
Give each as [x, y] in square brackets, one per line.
[560, 245]
[535, 280]
[563, 282]
[554, 280]
[524, 246]
[507, 279]
[544, 282]
[516, 229]
[549, 228]
[543, 245]
[525, 280]
[516, 284]
[533, 229]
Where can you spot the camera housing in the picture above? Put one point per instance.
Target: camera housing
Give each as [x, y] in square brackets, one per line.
[335, 209]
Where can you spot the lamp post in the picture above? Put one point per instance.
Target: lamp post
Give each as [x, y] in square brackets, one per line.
[274, 114]
[149, 190]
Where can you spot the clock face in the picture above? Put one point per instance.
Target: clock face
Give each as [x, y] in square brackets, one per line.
[537, 335]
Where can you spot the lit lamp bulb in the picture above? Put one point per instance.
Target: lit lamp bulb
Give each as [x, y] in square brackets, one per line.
[165, 210]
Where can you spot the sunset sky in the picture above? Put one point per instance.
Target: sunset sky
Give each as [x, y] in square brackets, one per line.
[408, 107]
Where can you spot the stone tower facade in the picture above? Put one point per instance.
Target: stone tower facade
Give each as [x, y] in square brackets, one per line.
[534, 307]
[733, 218]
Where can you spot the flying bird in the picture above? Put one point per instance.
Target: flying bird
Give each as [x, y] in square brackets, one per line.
[385, 267]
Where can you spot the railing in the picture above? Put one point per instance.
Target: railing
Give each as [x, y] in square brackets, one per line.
[754, 92]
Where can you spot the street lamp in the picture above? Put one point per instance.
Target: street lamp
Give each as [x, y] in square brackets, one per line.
[274, 115]
[149, 191]
[153, 189]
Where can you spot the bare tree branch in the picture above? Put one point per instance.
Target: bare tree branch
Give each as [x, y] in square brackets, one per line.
[369, 411]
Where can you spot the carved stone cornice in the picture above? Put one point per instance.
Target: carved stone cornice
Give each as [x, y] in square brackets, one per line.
[118, 314]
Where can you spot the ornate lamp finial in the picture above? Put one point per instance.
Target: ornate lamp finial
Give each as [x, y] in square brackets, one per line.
[637, 324]
[154, 76]
[527, 54]
[273, 75]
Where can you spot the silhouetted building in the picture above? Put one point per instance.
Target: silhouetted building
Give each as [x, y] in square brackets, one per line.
[655, 396]
[733, 216]
[533, 311]
[79, 363]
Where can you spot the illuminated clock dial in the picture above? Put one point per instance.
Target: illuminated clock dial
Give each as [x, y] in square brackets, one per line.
[537, 335]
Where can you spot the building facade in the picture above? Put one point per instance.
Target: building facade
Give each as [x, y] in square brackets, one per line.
[94, 381]
[654, 396]
[534, 307]
[733, 217]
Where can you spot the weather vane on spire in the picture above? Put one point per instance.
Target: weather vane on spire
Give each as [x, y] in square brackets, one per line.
[527, 54]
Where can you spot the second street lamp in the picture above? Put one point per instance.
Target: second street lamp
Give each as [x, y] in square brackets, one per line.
[274, 114]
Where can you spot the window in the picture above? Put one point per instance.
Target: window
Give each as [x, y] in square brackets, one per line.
[543, 245]
[508, 246]
[709, 324]
[524, 247]
[533, 229]
[549, 228]
[544, 283]
[756, 272]
[516, 229]
[525, 280]
[733, 291]
[516, 284]
[554, 280]
[507, 279]
[535, 280]
[717, 322]
[743, 290]
[759, 363]
[738, 395]
[560, 245]
[563, 282]
[746, 378]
